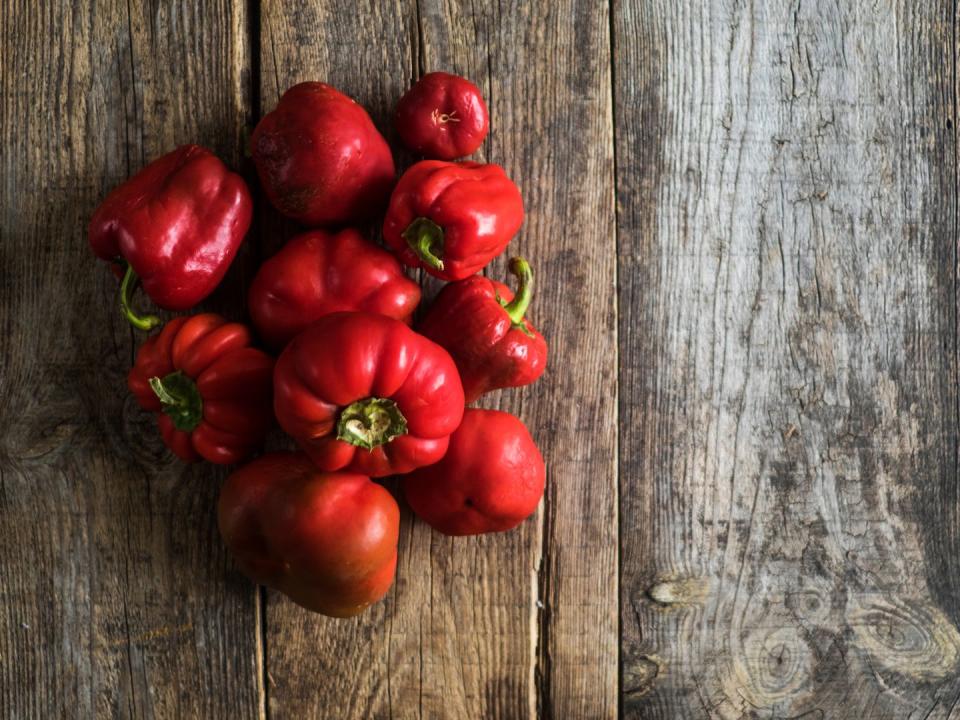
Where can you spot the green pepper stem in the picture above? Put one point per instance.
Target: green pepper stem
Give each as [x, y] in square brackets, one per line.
[371, 422]
[425, 238]
[517, 307]
[180, 398]
[147, 322]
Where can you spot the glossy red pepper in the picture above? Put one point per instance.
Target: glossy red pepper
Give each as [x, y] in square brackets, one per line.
[318, 273]
[442, 116]
[177, 224]
[491, 479]
[452, 218]
[327, 540]
[482, 325]
[210, 390]
[320, 159]
[365, 393]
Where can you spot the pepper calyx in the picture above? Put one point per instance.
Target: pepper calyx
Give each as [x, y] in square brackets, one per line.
[371, 422]
[180, 399]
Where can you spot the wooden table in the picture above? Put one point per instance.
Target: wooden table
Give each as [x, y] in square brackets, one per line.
[744, 219]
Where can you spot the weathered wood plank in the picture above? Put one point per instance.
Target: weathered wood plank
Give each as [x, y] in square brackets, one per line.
[508, 671]
[462, 633]
[116, 598]
[787, 194]
[483, 619]
[367, 666]
[547, 83]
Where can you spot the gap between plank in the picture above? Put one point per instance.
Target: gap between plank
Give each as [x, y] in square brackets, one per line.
[254, 27]
[612, 117]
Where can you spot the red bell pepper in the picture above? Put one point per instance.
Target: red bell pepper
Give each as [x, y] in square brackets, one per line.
[442, 116]
[327, 540]
[177, 224]
[318, 273]
[491, 479]
[365, 393]
[482, 325]
[452, 218]
[320, 159]
[210, 390]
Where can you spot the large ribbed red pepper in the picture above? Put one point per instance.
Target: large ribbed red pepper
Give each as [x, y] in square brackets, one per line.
[210, 390]
[327, 540]
[365, 393]
[482, 325]
[491, 478]
[177, 224]
[318, 273]
[442, 116]
[320, 159]
[452, 218]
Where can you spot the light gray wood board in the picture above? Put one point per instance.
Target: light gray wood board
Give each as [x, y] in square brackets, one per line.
[787, 234]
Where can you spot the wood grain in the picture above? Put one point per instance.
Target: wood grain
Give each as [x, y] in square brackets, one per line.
[117, 599]
[367, 666]
[788, 283]
[521, 625]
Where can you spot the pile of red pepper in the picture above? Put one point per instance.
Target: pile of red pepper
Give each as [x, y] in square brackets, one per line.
[363, 391]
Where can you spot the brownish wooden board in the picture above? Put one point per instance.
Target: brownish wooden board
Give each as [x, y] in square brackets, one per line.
[525, 623]
[117, 599]
[743, 219]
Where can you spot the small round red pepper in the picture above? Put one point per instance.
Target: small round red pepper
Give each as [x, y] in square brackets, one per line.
[320, 158]
[365, 393]
[177, 224]
[452, 219]
[482, 325]
[442, 116]
[491, 479]
[327, 540]
[210, 390]
[318, 273]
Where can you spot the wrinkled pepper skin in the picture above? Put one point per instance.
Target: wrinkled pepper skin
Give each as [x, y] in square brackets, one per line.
[327, 540]
[482, 325]
[320, 158]
[178, 224]
[210, 390]
[442, 116]
[490, 480]
[319, 273]
[451, 219]
[364, 393]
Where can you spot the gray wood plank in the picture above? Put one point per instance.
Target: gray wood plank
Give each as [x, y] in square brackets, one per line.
[514, 666]
[117, 599]
[788, 283]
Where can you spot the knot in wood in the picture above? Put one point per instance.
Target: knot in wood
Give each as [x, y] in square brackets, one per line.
[913, 639]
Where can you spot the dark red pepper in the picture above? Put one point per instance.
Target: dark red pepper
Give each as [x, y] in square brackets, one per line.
[320, 158]
[327, 540]
[365, 393]
[177, 224]
[482, 325]
[442, 116]
[210, 390]
[491, 479]
[319, 273]
[452, 218]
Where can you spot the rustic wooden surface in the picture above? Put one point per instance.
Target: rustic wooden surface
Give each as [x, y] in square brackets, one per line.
[744, 220]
